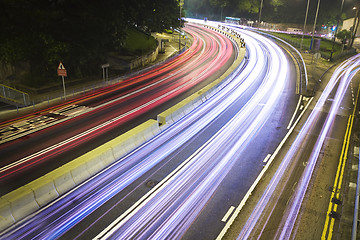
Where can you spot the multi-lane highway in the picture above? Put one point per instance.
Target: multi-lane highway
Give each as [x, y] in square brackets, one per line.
[303, 196]
[256, 136]
[181, 183]
[41, 142]
[278, 209]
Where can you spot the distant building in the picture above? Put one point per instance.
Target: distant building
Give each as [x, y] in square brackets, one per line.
[348, 25]
[294, 30]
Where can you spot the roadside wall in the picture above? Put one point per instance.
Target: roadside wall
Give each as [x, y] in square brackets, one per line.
[144, 60]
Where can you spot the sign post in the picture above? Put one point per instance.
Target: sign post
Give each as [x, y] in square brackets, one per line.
[62, 72]
[105, 68]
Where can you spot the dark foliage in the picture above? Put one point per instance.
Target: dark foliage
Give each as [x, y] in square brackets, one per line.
[275, 11]
[79, 33]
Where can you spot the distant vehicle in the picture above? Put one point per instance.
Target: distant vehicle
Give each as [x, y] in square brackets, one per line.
[233, 20]
[294, 30]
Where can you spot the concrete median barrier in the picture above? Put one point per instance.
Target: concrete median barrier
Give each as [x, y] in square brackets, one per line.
[6, 217]
[44, 190]
[119, 151]
[29, 198]
[151, 128]
[63, 180]
[79, 170]
[187, 105]
[197, 101]
[22, 202]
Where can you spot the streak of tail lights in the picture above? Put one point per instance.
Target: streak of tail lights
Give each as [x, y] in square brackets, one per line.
[341, 77]
[178, 199]
[171, 206]
[193, 70]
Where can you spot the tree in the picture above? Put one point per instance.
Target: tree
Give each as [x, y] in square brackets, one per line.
[221, 4]
[344, 35]
[251, 6]
[80, 33]
[277, 3]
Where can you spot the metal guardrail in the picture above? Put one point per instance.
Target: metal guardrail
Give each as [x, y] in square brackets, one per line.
[297, 57]
[21, 99]
[13, 96]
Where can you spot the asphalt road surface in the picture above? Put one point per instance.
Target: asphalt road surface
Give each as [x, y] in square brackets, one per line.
[182, 182]
[55, 136]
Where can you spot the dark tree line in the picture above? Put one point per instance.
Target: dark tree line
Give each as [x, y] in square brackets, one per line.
[275, 11]
[41, 33]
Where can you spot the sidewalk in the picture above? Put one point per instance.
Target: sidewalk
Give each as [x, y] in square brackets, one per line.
[53, 97]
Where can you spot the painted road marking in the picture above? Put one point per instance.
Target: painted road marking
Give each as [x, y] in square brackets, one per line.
[329, 222]
[296, 110]
[267, 158]
[259, 177]
[228, 213]
[354, 167]
[339, 175]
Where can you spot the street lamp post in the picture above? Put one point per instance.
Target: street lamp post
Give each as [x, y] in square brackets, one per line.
[181, 2]
[316, 15]
[306, 15]
[336, 30]
[261, 5]
[355, 26]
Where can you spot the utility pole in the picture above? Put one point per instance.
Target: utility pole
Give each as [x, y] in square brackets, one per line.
[316, 15]
[181, 2]
[355, 26]
[336, 30]
[306, 15]
[261, 5]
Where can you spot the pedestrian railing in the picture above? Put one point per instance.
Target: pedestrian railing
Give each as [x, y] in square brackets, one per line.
[13, 96]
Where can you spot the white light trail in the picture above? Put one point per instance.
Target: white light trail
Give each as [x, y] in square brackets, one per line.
[344, 69]
[169, 211]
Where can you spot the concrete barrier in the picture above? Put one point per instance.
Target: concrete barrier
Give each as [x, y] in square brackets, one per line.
[96, 164]
[63, 180]
[187, 105]
[119, 151]
[22, 202]
[44, 190]
[151, 129]
[79, 170]
[6, 217]
[29, 198]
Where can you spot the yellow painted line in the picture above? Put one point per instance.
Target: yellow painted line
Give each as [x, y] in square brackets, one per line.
[13, 89]
[298, 79]
[331, 228]
[339, 174]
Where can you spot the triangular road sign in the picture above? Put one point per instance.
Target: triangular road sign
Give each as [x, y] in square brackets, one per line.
[61, 70]
[61, 66]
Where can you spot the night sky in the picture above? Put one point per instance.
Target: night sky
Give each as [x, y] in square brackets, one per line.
[326, 7]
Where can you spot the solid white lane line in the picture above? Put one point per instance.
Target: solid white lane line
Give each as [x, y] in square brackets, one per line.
[228, 213]
[267, 158]
[296, 110]
[259, 177]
